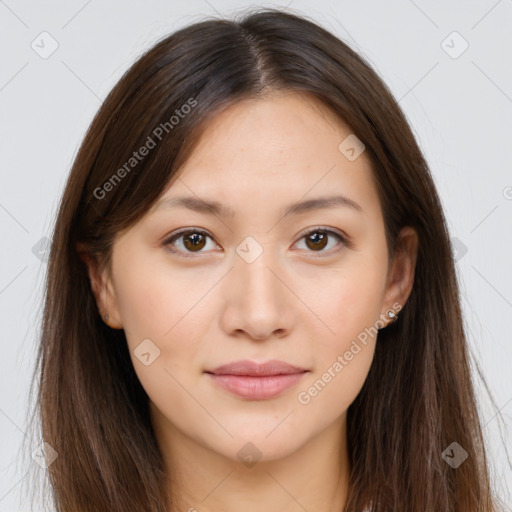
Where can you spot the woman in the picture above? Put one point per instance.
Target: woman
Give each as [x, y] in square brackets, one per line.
[251, 298]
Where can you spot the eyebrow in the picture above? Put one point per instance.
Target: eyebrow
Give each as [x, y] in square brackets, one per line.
[215, 208]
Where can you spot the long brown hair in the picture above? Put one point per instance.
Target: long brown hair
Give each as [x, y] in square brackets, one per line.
[418, 398]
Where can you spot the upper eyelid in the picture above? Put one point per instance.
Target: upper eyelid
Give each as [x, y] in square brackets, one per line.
[344, 239]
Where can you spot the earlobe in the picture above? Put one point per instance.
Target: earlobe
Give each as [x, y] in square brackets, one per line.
[108, 311]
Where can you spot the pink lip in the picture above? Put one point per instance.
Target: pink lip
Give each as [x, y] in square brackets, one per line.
[256, 381]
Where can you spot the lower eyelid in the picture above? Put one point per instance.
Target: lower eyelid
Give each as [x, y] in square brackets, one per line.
[343, 241]
[169, 241]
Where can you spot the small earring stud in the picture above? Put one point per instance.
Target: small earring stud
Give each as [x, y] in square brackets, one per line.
[392, 316]
[106, 317]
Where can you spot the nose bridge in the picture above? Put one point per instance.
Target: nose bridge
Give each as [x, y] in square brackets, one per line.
[255, 268]
[256, 298]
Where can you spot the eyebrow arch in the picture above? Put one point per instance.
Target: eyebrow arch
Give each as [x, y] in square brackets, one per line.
[215, 208]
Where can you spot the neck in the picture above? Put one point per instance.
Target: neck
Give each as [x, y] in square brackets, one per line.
[313, 477]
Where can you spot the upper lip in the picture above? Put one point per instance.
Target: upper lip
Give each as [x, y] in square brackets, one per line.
[252, 368]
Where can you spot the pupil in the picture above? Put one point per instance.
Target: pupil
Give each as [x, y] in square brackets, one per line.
[317, 240]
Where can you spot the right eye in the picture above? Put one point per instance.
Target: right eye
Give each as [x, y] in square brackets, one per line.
[194, 240]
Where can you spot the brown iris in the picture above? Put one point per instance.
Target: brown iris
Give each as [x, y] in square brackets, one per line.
[194, 241]
[317, 240]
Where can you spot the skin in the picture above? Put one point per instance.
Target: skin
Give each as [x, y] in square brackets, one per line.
[293, 303]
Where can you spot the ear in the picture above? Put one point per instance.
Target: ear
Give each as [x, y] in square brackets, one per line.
[102, 288]
[401, 275]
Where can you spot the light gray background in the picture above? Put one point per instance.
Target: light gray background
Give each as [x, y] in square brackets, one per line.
[460, 107]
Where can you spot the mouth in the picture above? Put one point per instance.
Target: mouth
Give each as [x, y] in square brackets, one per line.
[256, 381]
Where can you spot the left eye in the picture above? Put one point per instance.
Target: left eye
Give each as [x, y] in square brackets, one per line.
[318, 239]
[194, 240]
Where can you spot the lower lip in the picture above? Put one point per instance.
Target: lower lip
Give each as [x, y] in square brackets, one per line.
[256, 388]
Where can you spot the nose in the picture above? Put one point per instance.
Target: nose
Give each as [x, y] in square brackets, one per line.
[257, 300]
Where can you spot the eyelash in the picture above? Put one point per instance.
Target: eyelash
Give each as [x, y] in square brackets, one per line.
[344, 241]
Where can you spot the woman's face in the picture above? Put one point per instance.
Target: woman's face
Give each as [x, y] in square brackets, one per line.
[247, 282]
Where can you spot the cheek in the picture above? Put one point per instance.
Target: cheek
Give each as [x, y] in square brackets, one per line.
[349, 304]
[164, 308]
[345, 354]
[344, 349]
[349, 300]
[140, 306]
[161, 337]
[155, 302]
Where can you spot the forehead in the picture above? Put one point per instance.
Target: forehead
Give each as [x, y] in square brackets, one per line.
[274, 126]
[276, 149]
